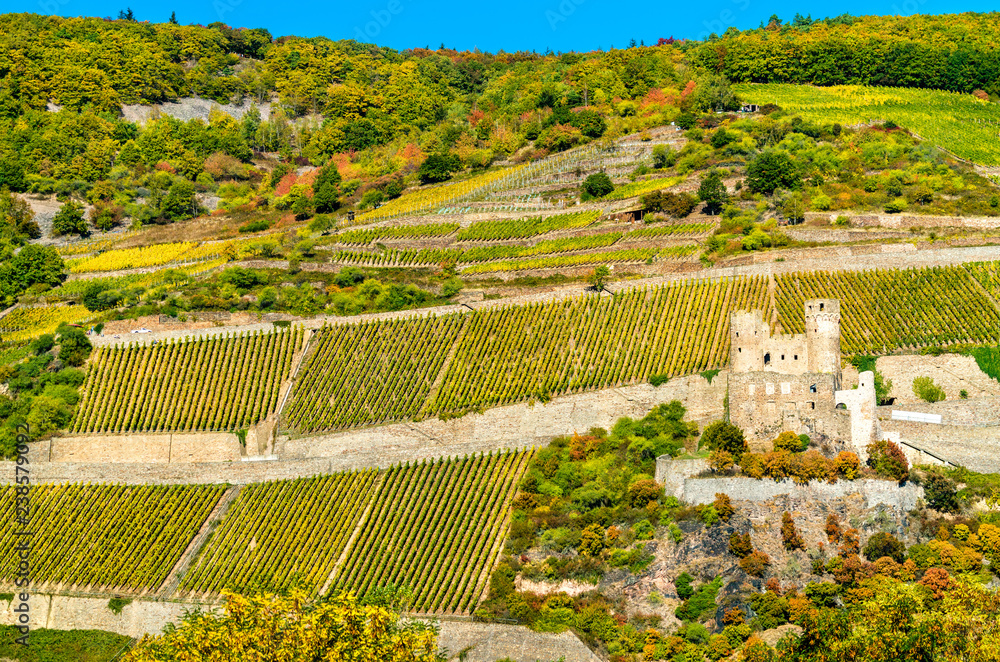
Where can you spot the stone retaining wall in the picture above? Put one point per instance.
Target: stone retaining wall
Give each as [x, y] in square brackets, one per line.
[906, 221]
[702, 491]
[520, 425]
[515, 426]
[141, 448]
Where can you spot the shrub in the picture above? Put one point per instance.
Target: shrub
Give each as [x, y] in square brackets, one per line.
[438, 168]
[937, 581]
[598, 185]
[724, 436]
[939, 490]
[592, 541]
[884, 544]
[788, 441]
[752, 465]
[833, 532]
[709, 515]
[756, 563]
[740, 545]
[789, 534]
[683, 584]
[777, 464]
[720, 461]
[887, 459]
[848, 465]
[69, 220]
[925, 389]
[659, 380]
[724, 506]
[677, 205]
[643, 492]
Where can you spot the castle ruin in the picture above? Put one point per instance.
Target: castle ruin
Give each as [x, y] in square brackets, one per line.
[793, 381]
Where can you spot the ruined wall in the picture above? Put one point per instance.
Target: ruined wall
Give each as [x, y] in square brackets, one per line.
[672, 473]
[764, 404]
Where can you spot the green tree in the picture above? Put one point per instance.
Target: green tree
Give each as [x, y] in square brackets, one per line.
[712, 192]
[592, 541]
[770, 171]
[11, 173]
[74, 346]
[940, 492]
[598, 185]
[599, 278]
[884, 544]
[438, 168]
[179, 202]
[326, 189]
[69, 220]
[724, 436]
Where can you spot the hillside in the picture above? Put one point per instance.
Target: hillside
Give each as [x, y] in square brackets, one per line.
[300, 328]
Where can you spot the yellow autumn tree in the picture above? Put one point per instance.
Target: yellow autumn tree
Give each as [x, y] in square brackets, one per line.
[292, 629]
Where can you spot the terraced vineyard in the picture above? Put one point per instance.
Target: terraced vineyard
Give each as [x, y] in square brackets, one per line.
[282, 534]
[217, 383]
[625, 255]
[368, 235]
[526, 227]
[105, 537]
[433, 256]
[436, 527]
[383, 371]
[634, 189]
[30, 322]
[376, 372]
[887, 309]
[513, 353]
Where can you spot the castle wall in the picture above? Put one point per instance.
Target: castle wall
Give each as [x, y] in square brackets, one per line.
[765, 404]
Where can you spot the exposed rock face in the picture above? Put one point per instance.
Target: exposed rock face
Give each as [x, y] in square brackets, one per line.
[192, 108]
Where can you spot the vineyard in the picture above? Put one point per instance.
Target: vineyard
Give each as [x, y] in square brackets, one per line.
[282, 534]
[158, 255]
[887, 309]
[436, 527]
[957, 122]
[217, 383]
[383, 371]
[370, 373]
[674, 231]
[445, 194]
[368, 235]
[433, 256]
[108, 537]
[27, 322]
[627, 255]
[635, 189]
[510, 354]
[524, 228]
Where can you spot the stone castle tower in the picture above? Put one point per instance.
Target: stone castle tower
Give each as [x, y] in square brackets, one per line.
[754, 349]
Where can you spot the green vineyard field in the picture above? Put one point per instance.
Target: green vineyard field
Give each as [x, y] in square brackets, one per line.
[217, 383]
[282, 534]
[887, 309]
[106, 537]
[437, 528]
[376, 372]
[526, 227]
[512, 353]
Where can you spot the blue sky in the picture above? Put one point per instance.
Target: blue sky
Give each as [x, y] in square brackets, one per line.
[511, 25]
